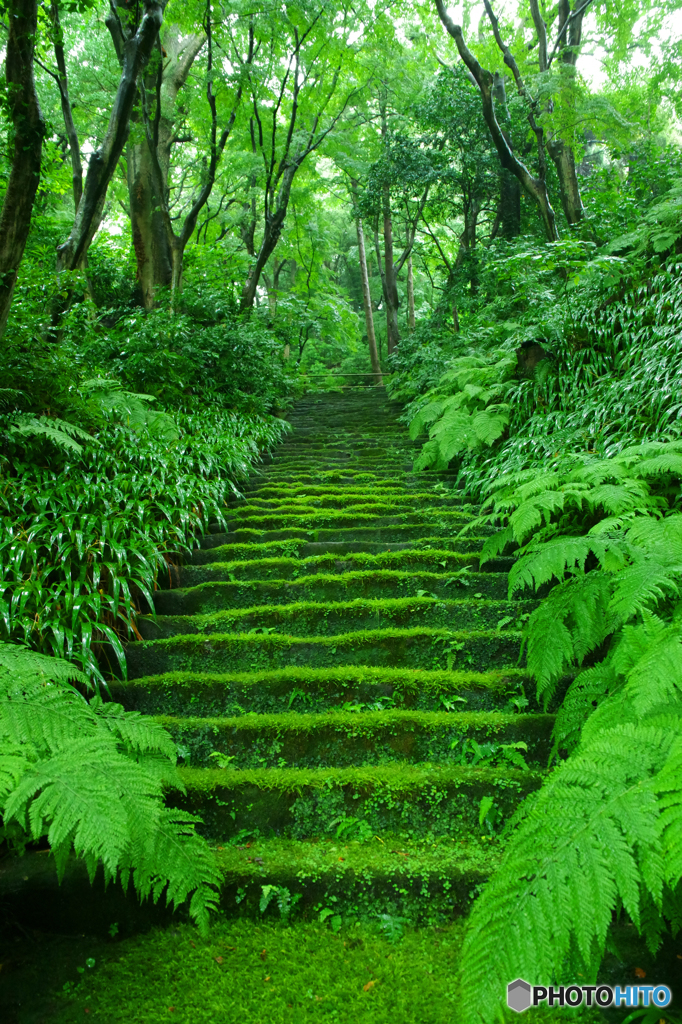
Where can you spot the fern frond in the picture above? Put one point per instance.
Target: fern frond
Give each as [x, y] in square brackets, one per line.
[551, 560]
[568, 625]
[90, 777]
[570, 861]
[58, 431]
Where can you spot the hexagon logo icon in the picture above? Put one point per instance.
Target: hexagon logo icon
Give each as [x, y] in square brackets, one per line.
[518, 995]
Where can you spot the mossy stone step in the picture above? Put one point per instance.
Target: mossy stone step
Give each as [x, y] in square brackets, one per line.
[410, 648]
[290, 499]
[347, 478]
[311, 518]
[330, 618]
[295, 547]
[418, 533]
[433, 880]
[308, 690]
[287, 567]
[414, 801]
[360, 737]
[387, 583]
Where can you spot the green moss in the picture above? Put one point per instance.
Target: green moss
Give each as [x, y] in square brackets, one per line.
[414, 801]
[328, 618]
[313, 976]
[216, 551]
[310, 518]
[306, 689]
[386, 583]
[361, 737]
[287, 565]
[412, 648]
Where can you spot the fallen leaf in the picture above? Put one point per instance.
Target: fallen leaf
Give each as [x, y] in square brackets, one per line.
[263, 954]
[230, 949]
[639, 973]
[342, 858]
[218, 959]
[192, 945]
[268, 978]
[318, 999]
[369, 985]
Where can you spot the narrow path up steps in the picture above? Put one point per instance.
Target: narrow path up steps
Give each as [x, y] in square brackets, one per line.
[341, 680]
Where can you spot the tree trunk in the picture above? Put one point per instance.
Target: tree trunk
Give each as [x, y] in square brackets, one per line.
[509, 211]
[564, 161]
[67, 114]
[389, 277]
[140, 194]
[29, 131]
[367, 303]
[535, 187]
[410, 294]
[102, 165]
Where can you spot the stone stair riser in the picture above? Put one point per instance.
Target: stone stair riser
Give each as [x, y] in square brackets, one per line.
[429, 649]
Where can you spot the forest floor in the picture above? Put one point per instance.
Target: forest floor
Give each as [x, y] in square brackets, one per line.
[342, 683]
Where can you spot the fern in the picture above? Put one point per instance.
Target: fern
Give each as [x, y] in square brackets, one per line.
[90, 778]
[463, 412]
[605, 832]
[58, 431]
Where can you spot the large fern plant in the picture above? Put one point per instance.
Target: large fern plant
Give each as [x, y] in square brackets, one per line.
[603, 836]
[89, 778]
[464, 412]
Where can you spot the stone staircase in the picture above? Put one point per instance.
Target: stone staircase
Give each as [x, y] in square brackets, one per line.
[341, 680]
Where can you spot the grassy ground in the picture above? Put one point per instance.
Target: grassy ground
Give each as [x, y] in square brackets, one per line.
[244, 973]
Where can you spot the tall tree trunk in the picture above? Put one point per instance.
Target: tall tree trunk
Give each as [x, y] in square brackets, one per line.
[568, 45]
[29, 130]
[509, 210]
[153, 251]
[390, 280]
[367, 303]
[63, 85]
[137, 49]
[569, 189]
[141, 208]
[410, 294]
[535, 187]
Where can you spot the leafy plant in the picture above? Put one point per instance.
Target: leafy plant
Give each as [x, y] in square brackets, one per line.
[463, 411]
[90, 777]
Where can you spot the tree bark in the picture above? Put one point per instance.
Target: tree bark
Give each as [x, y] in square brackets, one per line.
[567, 43]
[535, 187]
[67, 114]
[367, 303]
[509, 211]
[410, 294]
[137, 49]
[160, 150]
[28, 130]
[153, 250]
[390, 278]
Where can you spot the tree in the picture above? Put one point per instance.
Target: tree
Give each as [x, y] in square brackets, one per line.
[139, 35]
[28, 128]
[293, 96]
[158, 147]
[534, 185]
